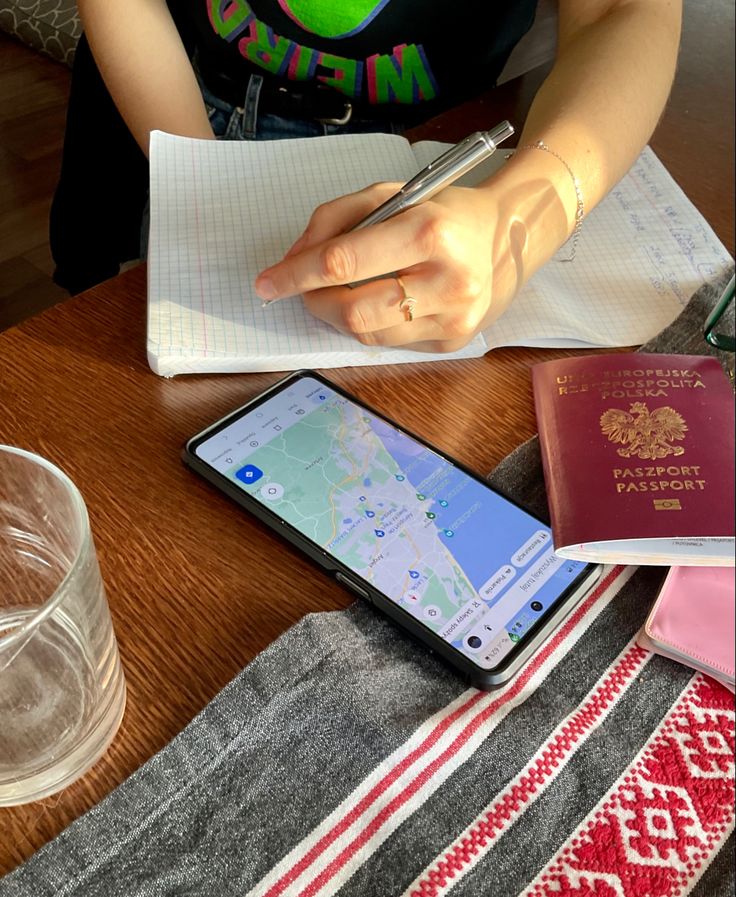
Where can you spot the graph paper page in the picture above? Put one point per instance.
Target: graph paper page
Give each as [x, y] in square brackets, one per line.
[221, 211]
[640, 256]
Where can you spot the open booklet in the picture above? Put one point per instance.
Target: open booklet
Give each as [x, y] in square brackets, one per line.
[221, 211]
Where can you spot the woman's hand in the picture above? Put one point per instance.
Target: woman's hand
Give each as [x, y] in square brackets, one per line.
[454, 254]
[463, 255]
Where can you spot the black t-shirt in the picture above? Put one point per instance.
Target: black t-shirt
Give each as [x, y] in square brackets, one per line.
[420, 55]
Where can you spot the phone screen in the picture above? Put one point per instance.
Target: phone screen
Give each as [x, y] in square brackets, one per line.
[465, 561]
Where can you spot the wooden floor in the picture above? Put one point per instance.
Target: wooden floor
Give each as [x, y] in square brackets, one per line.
[33, 97]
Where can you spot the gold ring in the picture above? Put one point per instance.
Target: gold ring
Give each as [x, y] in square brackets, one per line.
[408, 303]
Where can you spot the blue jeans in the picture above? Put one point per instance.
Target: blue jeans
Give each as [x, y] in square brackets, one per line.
[244, 123]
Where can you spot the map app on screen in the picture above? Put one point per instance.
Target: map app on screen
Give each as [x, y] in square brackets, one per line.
[472, 566]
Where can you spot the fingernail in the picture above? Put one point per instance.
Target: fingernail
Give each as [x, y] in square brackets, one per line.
[265, 288]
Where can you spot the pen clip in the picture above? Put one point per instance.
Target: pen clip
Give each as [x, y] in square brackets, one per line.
[478, 144]
[440, 173]
[442, 162]
[454, 152]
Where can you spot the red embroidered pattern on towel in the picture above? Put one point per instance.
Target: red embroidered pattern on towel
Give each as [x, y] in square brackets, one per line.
[330, 854]
[658, 828]
[480, 837]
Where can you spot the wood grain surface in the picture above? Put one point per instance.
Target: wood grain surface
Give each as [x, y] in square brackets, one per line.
[196, 587]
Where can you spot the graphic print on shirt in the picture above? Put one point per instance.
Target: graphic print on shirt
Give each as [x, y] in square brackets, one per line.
[403, 76]
[324, 19]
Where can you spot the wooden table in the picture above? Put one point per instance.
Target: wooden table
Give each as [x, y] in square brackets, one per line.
[196, 587]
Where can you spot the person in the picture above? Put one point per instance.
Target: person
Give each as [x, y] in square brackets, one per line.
[278, 68]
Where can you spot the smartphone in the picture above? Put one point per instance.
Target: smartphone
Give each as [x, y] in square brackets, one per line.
[461, 567]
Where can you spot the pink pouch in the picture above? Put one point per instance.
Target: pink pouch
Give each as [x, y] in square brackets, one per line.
[693, 618]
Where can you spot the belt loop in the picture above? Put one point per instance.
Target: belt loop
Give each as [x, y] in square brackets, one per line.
[250, 109]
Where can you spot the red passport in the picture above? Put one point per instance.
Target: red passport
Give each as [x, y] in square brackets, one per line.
[638, 455]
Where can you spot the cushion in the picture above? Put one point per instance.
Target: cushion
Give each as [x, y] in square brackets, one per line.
[51, 26]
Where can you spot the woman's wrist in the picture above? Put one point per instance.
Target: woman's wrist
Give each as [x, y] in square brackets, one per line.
[541, 146]
[539, 204]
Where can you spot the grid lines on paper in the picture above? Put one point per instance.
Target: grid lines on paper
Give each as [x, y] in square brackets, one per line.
[221, 211]
[227, 209]
[641, 254]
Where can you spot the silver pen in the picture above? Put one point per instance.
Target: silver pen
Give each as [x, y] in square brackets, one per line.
[440, 173]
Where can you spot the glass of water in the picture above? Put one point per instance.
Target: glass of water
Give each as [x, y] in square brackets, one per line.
[62, 690]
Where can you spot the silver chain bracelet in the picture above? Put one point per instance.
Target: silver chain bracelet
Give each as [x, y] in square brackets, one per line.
[580, 208]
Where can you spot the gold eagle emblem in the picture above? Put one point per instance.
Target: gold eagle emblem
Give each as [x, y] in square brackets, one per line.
[643, 433]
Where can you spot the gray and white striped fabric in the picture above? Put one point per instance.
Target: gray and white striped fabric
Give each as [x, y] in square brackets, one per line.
[345, 760]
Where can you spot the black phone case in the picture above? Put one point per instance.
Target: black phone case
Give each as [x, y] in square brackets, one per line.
[472, 673]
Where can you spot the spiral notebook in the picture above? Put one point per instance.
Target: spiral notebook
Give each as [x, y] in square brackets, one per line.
[221, 211]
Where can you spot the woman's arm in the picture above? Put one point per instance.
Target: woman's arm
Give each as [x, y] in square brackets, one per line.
[602, 100]
[142, 59]
[465, 254]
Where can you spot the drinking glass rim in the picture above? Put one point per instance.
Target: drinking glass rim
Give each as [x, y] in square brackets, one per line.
[48, 607]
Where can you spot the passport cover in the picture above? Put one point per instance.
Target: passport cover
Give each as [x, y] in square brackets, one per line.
[638, 457]
[693, 620]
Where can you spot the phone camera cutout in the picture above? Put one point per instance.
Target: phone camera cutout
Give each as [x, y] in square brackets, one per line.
[477, 640]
